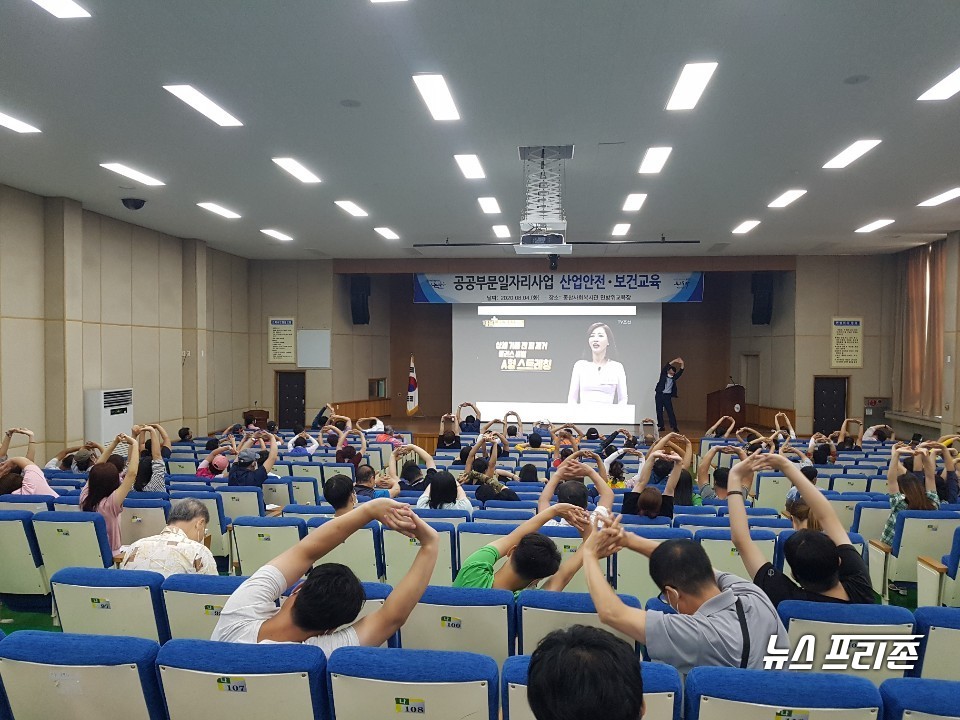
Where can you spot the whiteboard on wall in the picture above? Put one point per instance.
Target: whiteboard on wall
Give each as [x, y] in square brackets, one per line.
[313, 348]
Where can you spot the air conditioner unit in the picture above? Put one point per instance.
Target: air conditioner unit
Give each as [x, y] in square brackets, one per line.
[106, 414]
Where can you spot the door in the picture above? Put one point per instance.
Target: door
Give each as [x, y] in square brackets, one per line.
[829, 403]
[750, 378]
[291, 398]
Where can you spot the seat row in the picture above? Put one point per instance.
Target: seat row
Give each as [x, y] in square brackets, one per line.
[64, 675]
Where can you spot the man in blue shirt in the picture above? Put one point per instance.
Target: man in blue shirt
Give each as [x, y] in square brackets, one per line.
[247, 471]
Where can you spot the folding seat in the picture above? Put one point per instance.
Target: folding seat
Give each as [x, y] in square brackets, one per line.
[193, 602]
[182, 466]
[142, 518]
[376, 683]
[700, 510]
[920, 699]
[29, 503]
[776, 525]
[258, 540]
[539, 612]
[850, 482]
[99, 601]
[662, 690]
[199, 486]
[81, 677]
[724, 511]
[329, 469]
[306, 512]
[454, 517]
[217, 527]
[823, 621]
[695, 523]
[399, 552]
[869, 518]
[716, 693]
[631, 571]
[513, 517]
[718, 544]
[226, 681]
[462, 619]
[305, 490]
[72, 539]
[772, 489]
[362, 552]
[568, 541]
[23, 571]
[508, 504]
[918, 532]
[148, 495]
[940, 627]
[846, 506]
[304, 469]
[281, 469]
[239, 501]
[644, 521]
[278, 491]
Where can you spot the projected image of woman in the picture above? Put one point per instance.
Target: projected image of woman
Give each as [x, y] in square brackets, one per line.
[601, 379]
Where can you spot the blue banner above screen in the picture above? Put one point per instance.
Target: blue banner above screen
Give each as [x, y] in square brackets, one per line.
[573, 363]
[559, 288]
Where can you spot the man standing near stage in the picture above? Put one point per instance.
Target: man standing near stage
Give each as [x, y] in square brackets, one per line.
[666, 391]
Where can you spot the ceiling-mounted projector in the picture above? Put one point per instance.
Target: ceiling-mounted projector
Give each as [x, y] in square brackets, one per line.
[542, 243]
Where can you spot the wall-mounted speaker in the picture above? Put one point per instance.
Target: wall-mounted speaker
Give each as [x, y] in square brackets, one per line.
[359, 297]
[761, 285]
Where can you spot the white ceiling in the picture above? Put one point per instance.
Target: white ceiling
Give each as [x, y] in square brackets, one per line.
[594, 73]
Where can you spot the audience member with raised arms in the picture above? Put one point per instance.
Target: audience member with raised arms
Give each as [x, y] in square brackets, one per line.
[105, 492]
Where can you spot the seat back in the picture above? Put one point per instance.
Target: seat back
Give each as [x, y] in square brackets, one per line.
[67, 503]
[919, 532]
[376, 683]
[462, 619]
[305, 469]
[827, 622]
[304, 490]
[399, 552]
[724, 555]
[940, 627]
[30, 503]
[694, 523]
[568, 541]
[540, 612]
[142, 518]
[307, 512]
[193, 602]
[632, 570]
[475, 535]
[258, 540]
[277, 491]
[72, 539]
[502, 516]
[60, 675]
[23, 570]
[772, 489]
[225, 681]
[362, 552]
[182, 467]
[217, 527]
[100, 601]
[329, 469]
[239, 501]
[715, 693]
[850, 482]
[869, 519]
[918, 699]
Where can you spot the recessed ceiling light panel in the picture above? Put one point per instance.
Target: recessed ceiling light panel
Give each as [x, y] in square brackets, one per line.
[387, 233]
[19, 126]
[63, 9]
[131, 173]
[489, 205]
[219, 210]
[501, 231]
[203, 105]
[875, 225]
[435, 93]
[470, 166]
[847, 156]
[654, 160]
[620, 229]
[745, 227]
[788, 197]
[351, 207]
[945, 89]
[634, 202]
[941, 198]
[690, 86]
[296, 169]
[276, 234]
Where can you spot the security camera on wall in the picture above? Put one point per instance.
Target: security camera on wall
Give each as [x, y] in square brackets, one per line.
[133, 203]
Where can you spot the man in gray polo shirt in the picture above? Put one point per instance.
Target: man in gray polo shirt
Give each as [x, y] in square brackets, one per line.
[720, 619]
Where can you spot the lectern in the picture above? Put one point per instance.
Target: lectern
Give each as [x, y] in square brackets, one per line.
[728, 401]
[259, 417]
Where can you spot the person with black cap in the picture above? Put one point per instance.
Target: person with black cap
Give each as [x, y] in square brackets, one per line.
[247, 471]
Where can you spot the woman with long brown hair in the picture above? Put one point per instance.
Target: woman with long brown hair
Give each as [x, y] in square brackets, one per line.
[105, 490]
[908, 491]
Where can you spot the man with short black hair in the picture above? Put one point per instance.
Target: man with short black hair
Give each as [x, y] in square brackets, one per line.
[338, 491]
[331, 596]
[368, 486]
[185, 435]
[825, 565]
[719, 488]
[574, 670]
[720, 619]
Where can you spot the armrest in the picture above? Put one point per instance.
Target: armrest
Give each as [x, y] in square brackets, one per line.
[881, 546]
[935, 565]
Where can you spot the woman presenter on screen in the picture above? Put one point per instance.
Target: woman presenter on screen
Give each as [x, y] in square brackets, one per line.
[600, 379]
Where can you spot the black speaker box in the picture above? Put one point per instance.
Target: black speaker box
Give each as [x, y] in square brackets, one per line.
[761, 285]
[359, 296]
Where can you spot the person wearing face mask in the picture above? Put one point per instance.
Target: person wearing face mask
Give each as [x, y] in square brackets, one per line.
[599, 377]
[179, 547]
[666, 391]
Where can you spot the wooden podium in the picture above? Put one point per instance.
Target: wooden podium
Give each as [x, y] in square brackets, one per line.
[724, 402]
[259, 417]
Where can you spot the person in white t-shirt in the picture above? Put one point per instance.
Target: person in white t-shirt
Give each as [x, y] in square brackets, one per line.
[331, 596]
